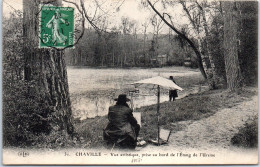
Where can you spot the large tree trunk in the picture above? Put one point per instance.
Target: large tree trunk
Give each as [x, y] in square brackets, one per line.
[230, 45]
[47, 69]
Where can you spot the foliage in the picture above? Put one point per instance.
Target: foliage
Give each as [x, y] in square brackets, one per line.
[125, 47]
[248, 42]
[217, 50]
[25, 114]
[12, 72]
[247, 135]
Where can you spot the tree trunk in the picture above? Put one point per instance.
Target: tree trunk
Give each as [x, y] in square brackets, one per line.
[47, 69]
[204, 57]
[121, 60]
[113, 58]
[230, 45]
[118, 60]
[124, 58]
[145, 27]
[213, 78]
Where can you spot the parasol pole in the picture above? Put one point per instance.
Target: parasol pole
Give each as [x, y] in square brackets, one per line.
[158, 112]
[131, 100]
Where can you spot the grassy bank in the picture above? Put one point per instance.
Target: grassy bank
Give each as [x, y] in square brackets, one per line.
[193, 107]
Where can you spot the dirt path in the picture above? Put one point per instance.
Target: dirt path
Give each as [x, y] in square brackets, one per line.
[214, 132]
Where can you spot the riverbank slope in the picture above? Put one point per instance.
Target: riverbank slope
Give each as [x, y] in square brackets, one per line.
[174, 115]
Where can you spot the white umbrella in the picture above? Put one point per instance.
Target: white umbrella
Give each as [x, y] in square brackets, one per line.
[159, 81]
[164, 82]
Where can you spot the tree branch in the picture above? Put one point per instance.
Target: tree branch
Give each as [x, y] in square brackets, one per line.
[77, 6]
[155, 2]
[94, 14]
[189, 16]
[198, 54]
[87, 17]
[199, 6]
[99, 6]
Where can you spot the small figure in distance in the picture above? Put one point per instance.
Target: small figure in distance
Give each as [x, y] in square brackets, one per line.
[122, 130]
[172, 93]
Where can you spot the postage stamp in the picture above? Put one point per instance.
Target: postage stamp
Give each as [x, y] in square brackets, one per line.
[56, 27]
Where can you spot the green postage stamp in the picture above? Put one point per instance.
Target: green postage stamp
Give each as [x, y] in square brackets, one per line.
[56, 27]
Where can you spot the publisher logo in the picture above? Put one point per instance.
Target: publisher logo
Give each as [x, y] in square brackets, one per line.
[23, 154]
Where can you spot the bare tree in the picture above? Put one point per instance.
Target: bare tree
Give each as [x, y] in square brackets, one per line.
[127, 29]
[145, 25]
[197, 17]
[157, 27]
[168, 21]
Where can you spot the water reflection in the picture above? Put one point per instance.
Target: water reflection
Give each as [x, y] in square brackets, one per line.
[93, 90]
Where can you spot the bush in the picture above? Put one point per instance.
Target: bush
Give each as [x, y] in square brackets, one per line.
[22, 116]
[24, 112]
[247, 136]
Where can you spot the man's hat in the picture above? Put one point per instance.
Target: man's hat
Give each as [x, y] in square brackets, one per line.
[122, 98]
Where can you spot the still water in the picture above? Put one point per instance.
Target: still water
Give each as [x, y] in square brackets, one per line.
[93, 90]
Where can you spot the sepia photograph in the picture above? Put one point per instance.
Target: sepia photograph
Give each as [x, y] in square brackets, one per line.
[129, 82]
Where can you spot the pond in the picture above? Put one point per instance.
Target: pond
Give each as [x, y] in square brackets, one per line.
[93, 90]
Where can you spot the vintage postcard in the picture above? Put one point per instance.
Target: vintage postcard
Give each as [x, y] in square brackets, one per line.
[129, 82]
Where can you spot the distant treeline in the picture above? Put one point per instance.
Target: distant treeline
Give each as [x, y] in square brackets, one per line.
[116, 49]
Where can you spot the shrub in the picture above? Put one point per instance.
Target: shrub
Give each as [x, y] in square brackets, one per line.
[247, 135]
[24, 112]
[22, 117]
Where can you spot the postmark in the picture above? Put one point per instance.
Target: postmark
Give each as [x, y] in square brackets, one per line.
[56, 27]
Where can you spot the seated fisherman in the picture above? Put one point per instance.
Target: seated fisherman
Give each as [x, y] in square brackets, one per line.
[122, 129]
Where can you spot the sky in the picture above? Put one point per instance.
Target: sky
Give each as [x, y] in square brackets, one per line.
[132, 9]
[128, 8]
[10, 5]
